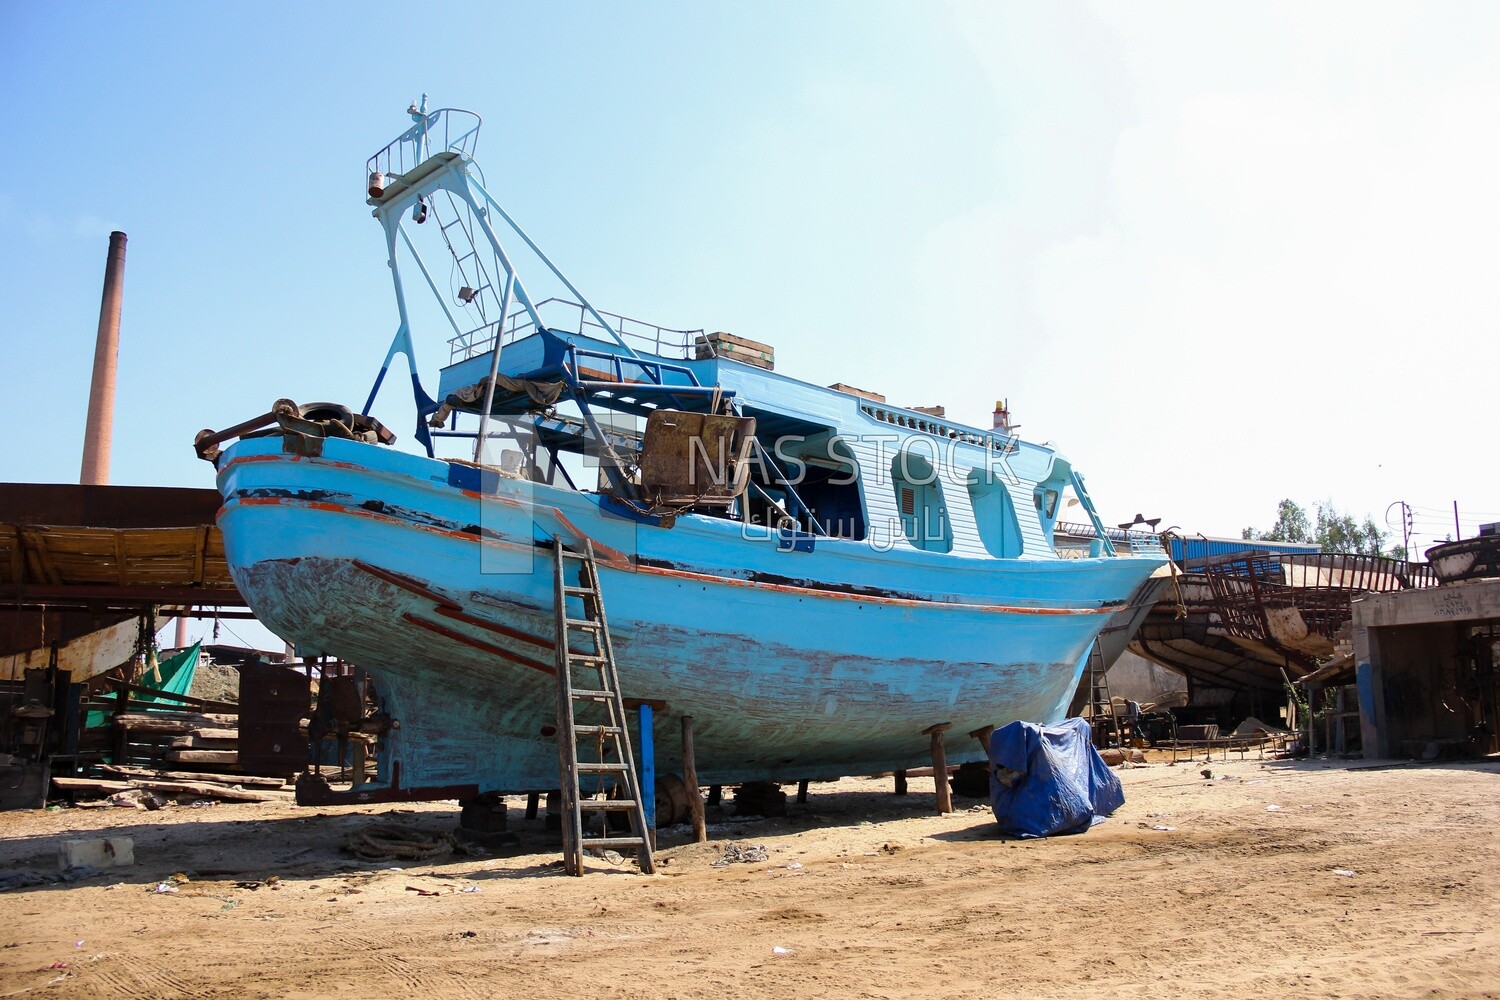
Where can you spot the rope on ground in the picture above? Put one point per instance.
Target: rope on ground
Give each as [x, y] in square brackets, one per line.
[393, 842]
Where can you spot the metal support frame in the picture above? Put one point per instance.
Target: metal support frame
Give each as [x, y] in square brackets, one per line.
[452, 176]
[314, 790]
[768, 461]
[618, 338]
[614, 466]
[489, 390]
[455, 177]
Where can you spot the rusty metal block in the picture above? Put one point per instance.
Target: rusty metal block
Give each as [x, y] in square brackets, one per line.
[695, 459]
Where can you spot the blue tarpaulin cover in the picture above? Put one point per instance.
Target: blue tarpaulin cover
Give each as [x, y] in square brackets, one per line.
[1049, 779]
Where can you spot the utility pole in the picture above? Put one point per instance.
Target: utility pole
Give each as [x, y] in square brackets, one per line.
[1405, 526]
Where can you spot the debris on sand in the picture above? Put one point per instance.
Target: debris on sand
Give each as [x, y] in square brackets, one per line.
[735, 853]
[1114, 756]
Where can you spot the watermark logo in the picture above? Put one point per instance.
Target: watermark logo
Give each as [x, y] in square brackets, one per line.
[884, 489]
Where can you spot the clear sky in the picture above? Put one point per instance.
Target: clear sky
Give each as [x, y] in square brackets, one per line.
[1219, 254]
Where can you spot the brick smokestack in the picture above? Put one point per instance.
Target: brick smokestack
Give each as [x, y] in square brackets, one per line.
[101, 422]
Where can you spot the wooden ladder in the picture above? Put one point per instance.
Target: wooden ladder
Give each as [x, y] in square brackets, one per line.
[595, 697]
[1099, 697]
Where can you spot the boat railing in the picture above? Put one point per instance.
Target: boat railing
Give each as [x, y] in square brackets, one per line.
[1081, 541]
[563, 316]
[1145, 545]
[444, 130]
[1074, 548]
[915, 420]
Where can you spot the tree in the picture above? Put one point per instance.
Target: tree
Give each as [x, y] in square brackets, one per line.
[1373, 537]
[1333, 530]
[1336, 532]
[1290, 526]
[1339, 532]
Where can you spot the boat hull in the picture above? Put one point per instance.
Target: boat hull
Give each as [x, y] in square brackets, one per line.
[791, 664]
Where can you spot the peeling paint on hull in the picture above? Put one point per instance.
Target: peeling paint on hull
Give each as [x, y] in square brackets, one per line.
[792, 665]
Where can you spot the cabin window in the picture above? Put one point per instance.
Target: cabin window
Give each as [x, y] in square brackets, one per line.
[810, 460]
[995, 515]
[833, 496]
[919, 500]
[1046, 502]
[1048, 495]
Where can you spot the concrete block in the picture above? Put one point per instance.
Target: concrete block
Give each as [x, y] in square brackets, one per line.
[99, 852]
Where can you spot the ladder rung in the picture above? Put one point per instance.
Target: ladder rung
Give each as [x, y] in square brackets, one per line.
[586, 694]
[597, 730]
[589, 842]
[580, 590]
[609, 805]
[603, 767]
[586, 659]
[582, 623]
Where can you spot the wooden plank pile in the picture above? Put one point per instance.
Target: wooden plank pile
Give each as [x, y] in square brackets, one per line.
[726, 345]
[190, 785]
[168, 745]
[180, 738]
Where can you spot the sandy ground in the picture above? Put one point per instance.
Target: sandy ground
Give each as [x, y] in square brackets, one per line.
[864, 894]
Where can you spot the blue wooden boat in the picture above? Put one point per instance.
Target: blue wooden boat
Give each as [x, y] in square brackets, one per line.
[816, 577]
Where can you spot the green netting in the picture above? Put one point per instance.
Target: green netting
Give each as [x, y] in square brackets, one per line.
[174, 675]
